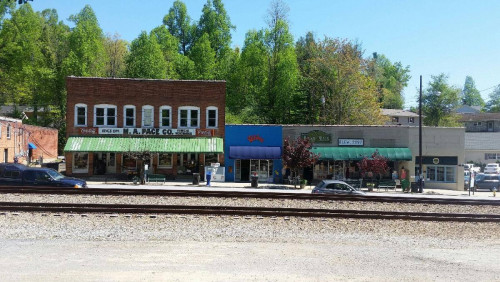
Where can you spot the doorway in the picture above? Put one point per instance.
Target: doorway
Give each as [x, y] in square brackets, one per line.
[104, 163]
[245, 170]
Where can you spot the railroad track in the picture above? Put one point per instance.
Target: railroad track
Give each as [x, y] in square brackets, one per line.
[240, 211]
[420, 199]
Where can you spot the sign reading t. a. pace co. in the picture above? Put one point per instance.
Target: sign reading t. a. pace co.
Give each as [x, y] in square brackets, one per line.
[317, 136]
[146, 131]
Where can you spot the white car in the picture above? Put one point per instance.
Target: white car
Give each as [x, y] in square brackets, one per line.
[492, 168]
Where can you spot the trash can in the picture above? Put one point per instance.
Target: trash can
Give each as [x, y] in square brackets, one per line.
[196, 178]
[414, 187]
[255, 181]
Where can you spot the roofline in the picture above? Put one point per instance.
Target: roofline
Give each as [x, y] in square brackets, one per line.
[143, 79]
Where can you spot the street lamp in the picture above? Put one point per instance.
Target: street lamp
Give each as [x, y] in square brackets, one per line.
[420, 188]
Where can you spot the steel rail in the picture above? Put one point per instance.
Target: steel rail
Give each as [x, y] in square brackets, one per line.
[241, 211]
[238, 194]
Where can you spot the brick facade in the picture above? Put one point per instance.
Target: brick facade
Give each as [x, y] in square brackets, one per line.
[15, 137]
[122, 92]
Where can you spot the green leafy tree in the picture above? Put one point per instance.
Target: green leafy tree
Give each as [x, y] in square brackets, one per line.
[215, 22]
[179, 25]
[438, 102]
[308, 103]
[87, 55]
[117, 51]
[390, 79]
[341, 80]
[470, 95]
[203, 57]
[6, 6]
[146, 58]
[493, 105]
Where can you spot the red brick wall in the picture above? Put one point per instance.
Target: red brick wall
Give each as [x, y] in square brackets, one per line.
[141, 92]
[45, 139]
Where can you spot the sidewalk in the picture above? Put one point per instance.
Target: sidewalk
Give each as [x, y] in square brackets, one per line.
[271, 187]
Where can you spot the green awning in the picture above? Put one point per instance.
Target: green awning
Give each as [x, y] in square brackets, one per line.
[136, 144]
[358, 153]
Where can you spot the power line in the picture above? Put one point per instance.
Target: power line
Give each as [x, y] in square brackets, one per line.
[489, 88]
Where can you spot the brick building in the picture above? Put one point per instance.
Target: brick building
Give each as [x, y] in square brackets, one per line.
[26, 142]
[116, 126]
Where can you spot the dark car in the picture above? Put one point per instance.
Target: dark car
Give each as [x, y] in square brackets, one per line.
[335, 187]
[487, 181]
[21, 175]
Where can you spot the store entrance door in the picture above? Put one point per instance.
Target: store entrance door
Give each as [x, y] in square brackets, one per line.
[245, 170]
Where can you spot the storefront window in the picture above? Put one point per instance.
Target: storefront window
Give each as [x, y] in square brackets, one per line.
[165, 160]
[441, 173]
[321, 170]
[211, 158]
[129, 164]
[187, 163]
[80, 162]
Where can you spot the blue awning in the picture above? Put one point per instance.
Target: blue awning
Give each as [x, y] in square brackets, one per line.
[31, 146]
[254, 152]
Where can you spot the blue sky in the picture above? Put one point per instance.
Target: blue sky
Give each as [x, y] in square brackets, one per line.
[458, 37]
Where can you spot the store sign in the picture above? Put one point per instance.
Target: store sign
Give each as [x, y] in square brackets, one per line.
[88, 130]
[205, 132]
[435, 161]
[146, 131]
[317, 136]
[253, 138]
[351, 142]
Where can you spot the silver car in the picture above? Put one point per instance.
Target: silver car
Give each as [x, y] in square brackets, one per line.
[335, 187]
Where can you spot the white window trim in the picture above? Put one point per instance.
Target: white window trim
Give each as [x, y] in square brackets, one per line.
[171, 161]
[8, 131]
[76, 115]
[188, 108]
[160, 120]
[211, 108]
[145, 107]
[1, 125]
[125, 115]
[106, 107]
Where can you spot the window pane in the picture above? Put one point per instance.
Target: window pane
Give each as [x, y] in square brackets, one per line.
[431, 173]
[80, 120]
[440, 173]
[165, 160]
[148, 117]
[99, 112]
[184, 118]
[194, 118]
[111, 121]
[212, 118]
[129, 117]
[111, 112]
[165, 117]
[99, 121]
[450, 174]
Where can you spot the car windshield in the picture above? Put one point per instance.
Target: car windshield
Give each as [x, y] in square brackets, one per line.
[54, 174]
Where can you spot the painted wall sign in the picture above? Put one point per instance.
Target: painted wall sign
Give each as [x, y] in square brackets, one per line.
[205, 132]
[146, 131]
[253, 138]
[317, 136]
[351, 142]
[88, 130]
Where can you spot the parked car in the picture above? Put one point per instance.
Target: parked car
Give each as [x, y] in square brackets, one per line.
[492, 168]
[472, 168]
[335, 187]
[21, 175]
[466, 180]
[487, 181]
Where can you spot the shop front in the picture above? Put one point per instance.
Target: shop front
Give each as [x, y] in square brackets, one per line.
[253, 150]
[177, 157]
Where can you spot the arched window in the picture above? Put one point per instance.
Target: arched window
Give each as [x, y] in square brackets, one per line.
[165, 116]
[189, 117]
[148, 118]
[105, 115]
[129, 116]
[212, 117]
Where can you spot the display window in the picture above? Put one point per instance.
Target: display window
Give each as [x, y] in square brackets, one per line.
[165, 160]
[80, 162]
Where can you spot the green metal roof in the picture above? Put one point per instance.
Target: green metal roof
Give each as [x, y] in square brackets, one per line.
[136, 144]
[358, 153]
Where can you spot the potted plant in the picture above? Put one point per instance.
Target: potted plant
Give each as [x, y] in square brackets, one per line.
[303, 183]
[370, 186]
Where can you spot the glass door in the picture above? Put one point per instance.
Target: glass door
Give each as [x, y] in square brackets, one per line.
[111, 163]
[237, 170]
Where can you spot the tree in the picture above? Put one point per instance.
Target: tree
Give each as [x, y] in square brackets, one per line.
[390, 79]
[87, 56]
[493, 105]
[438, 102]
[203, 57]
[179, 25]
[297, 154]
[309, 103]
[373, 165]
[470, 95]
[117, 51]
[146, 59]
[340, 79]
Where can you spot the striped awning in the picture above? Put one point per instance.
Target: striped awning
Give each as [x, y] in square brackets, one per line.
[137, 144]
[358, 153]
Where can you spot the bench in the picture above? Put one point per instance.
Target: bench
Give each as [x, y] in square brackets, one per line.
[387, 184]
[156, 178]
